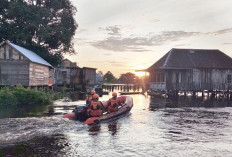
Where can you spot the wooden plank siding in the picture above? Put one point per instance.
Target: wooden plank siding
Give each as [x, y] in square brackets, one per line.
[89, 75]
[192, 70]
[75, 76]
[21, 66]
[38, 75]
[192, 79]
[13, 72]
[62, 76]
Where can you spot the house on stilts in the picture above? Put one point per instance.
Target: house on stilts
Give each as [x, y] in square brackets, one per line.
[191, 70]
[22, 66]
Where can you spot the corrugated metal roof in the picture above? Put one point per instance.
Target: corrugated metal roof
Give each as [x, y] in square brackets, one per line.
[32, 56]
[193, 58]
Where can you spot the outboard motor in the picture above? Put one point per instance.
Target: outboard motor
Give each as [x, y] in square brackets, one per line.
[81, 113]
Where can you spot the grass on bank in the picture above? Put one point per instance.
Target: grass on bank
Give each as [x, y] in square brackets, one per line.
[25, 96]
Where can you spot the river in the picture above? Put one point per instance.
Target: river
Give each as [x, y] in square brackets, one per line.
[156, 126]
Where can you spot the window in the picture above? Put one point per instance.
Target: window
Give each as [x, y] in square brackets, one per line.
[21, 57]
[15, 55]
[1, 52]
[154, 77]
[162, 77]
[10, 53]
[7, 54]
[158, 77]
[228, 78]
[178, 78]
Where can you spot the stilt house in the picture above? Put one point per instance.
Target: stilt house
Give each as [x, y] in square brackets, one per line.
[22, 66]
[191, 70]
[69, 74]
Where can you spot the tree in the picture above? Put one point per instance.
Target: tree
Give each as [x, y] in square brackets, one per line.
[109, 77]
[100, 73]
[127, 78]
[43, 26]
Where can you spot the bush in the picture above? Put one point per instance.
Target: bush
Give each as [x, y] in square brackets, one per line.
[22, 96]
[7, 97]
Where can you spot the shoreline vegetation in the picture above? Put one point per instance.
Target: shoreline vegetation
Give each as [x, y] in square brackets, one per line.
[19, 95]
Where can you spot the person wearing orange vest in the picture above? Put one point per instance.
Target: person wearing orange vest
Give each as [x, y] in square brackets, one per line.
[89, 98]
[96, 107]
[113, 103]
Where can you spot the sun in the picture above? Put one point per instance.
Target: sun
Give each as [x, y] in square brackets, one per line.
[140, 74]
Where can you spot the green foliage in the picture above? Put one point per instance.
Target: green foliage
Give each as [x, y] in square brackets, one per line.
[7, 97]
[45, 27]
[109, 77]
[21, 96]
[127, 78]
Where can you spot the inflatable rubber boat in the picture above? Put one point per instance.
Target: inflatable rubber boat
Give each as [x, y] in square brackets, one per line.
[80, 112]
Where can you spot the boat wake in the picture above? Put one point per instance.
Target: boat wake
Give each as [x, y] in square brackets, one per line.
[14, 130]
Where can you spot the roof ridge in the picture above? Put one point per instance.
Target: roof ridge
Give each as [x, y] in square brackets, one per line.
[31, 55]
[167, 59]
[194, 49]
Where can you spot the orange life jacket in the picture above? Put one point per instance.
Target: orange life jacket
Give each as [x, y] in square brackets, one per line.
[113, 102]
[89, 98]
[95, 105]
[95, 109]
[113, 105]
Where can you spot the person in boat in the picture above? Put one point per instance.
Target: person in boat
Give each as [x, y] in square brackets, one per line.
[113, 103]
[96, 107]
[89, 98]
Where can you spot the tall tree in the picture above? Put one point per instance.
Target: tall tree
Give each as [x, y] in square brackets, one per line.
[43, 26]
[127, 78]
[109, 77]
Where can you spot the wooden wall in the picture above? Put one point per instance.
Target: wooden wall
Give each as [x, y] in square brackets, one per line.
[193, 79]
[62, 76]
[89, 76]
[13, 72]
[75, 76]
[38, 75]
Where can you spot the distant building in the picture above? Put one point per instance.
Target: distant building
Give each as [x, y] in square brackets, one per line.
[22, 66]
[69, 74]
[191, 70]
[99, 79]
[88, 76]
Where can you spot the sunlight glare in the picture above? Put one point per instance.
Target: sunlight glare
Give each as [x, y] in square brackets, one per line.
[140, 74]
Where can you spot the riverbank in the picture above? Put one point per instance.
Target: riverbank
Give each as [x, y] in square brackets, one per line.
[27, 96]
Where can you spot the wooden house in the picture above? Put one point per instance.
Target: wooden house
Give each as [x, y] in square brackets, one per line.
[88, 76]
[69, 74]
[22, 66]
[191, 70]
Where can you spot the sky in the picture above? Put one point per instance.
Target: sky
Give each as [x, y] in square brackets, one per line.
[126, 35]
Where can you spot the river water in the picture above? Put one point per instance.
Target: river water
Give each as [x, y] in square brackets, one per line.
[156, 126]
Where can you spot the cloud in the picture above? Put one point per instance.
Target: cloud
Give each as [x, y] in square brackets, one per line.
[112, 30]
[155, 20]
[227, 43]
[115, 42]
[117, 64]
[112, 63]
[223, 31]
[140, 44]
[107, 54]
[122, 44]
[182, 45]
